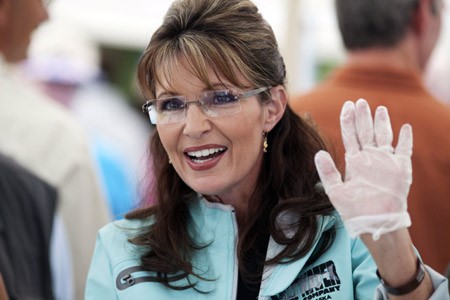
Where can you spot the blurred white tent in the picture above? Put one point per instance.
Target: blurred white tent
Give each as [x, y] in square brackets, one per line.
[125, 24]
[131, 23]
[306, 29]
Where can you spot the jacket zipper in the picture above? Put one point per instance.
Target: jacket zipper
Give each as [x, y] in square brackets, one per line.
[125, 278]
[235, 264]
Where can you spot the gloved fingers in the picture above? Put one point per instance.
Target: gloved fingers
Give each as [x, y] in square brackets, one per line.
[383, 128]
[405, 141]
[328, 173]
[364, 124]
[348, 128]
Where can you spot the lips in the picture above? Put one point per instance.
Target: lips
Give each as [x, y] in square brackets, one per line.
[204, 158]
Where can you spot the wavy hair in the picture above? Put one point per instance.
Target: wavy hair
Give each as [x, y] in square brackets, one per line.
[232, 38]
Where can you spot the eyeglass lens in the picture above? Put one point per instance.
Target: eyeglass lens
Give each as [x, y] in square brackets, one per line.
[213, 104]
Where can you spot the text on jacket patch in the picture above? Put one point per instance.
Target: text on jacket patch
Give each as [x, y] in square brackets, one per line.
[318, 283]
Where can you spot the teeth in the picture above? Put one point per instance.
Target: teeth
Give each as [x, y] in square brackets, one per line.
[205, 152]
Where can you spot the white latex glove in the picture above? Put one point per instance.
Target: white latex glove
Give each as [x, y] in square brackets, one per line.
[372, 198]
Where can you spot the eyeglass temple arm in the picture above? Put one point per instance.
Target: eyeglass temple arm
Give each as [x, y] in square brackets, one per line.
[254, 92]
[145, 106]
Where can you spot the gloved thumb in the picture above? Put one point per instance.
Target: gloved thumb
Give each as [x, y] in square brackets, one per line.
[328, 173]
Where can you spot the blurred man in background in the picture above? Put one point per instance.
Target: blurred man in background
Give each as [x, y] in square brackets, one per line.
[27, 234]
[389, 43]
[3, 294]
[41, 136]
[65, 62]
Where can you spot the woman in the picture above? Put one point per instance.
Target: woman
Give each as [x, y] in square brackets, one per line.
[239, 212]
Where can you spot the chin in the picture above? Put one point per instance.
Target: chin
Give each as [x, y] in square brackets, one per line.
[209, 184]
[207, 189]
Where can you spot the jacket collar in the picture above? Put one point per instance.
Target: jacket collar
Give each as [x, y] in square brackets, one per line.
[278, 278]
[275, 278]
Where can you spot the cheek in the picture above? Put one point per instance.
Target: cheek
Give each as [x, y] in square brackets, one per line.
[247, 137]
[168, 139]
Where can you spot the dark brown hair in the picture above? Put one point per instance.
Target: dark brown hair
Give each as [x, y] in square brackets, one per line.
[232, 38]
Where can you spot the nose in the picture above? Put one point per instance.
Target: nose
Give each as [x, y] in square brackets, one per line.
[196, 123]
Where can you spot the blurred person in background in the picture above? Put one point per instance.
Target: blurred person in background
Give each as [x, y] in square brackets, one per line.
[34, 259]
[65, 63]
[389, 43]
[45, 139]
[3, 294]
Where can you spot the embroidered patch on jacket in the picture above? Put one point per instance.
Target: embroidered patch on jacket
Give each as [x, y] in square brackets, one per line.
[317, 283]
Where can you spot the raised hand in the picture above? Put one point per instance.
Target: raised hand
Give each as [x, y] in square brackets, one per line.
[373, 197]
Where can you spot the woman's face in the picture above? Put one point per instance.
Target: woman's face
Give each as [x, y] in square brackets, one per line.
[232, 144]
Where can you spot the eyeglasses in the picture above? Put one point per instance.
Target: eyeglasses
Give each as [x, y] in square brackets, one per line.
[213, 103]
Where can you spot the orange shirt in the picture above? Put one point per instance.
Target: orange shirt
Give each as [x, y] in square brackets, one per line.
[407, 100]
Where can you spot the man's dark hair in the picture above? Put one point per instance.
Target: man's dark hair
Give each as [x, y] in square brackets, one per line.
[374, 23]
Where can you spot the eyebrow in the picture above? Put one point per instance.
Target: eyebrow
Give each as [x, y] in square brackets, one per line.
[214, 85]
[165, 93]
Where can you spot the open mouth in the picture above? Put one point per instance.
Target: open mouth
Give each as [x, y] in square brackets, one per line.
[204, 155]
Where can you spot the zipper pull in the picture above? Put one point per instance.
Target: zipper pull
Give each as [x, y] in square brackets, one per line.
[127, 279]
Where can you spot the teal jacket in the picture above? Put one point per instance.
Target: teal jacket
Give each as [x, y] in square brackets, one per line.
[346, 271]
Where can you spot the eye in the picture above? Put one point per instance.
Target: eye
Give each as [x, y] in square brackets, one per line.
[170, 104]
[222, 97]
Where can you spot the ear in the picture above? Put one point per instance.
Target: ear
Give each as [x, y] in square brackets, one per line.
[425, 10]
[275, 107]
